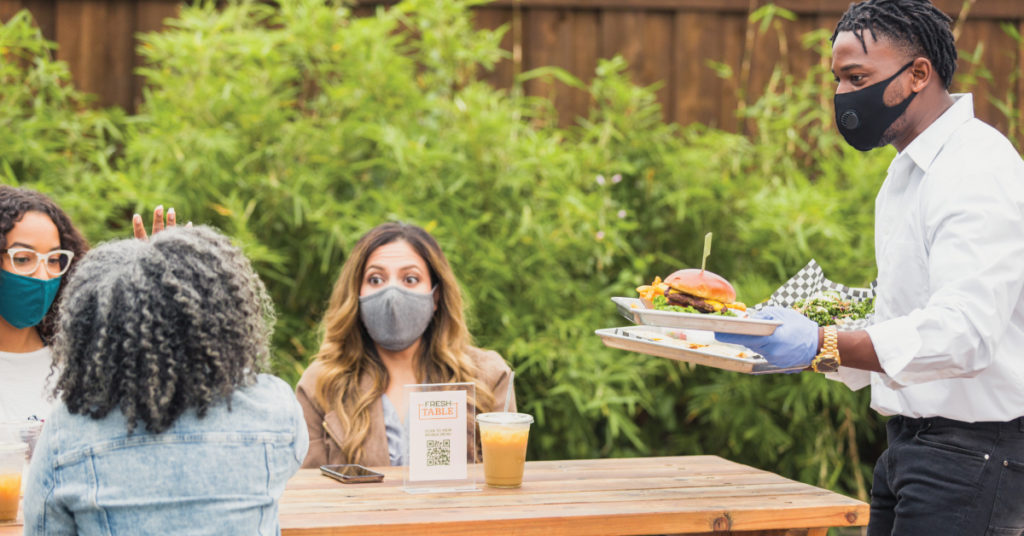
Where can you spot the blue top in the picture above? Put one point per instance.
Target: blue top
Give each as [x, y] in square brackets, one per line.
[398, 436]
[219, 475]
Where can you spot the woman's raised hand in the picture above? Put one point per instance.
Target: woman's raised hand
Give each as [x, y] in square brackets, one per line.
[158, 222]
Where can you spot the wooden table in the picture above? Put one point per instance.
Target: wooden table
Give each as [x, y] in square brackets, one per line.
[677, 495]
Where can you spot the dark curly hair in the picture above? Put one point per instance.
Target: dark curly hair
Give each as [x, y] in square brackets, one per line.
[14, 203]
[916, 25]
[160, 327]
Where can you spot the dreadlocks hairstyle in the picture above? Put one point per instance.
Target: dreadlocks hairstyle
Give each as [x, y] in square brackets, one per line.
[915, 24]
[14, 203]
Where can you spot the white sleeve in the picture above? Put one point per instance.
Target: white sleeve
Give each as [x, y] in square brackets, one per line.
[855, 379]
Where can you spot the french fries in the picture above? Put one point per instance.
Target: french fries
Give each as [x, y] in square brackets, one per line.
[648, 292]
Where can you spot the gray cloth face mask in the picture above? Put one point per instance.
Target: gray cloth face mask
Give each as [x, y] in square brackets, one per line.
[396, 317]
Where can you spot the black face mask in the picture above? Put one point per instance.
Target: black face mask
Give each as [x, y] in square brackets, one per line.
[862, 115]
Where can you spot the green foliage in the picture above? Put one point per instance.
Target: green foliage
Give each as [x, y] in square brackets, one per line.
[297, 128]
[50, 138]
[830, 308]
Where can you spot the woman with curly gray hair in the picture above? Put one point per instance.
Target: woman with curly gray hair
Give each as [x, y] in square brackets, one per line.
[164, 423]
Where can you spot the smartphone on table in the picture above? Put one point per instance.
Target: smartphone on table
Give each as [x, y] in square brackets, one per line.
[351, 473]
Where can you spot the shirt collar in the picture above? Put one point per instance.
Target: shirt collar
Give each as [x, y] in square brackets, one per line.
[926, 145]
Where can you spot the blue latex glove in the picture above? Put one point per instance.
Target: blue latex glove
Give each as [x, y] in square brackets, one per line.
[793, 344]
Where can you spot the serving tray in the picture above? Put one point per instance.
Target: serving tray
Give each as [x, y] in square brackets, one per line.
[634, 311]
[698, 348]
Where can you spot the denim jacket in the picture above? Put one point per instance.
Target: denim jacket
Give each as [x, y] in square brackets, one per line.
[219, 475]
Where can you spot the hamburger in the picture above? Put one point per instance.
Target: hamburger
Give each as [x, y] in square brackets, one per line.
[692, 291]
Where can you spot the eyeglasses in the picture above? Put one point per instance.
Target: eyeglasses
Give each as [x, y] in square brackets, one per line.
[26, 261]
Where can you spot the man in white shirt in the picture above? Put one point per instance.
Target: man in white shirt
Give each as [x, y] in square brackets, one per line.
[945, 355]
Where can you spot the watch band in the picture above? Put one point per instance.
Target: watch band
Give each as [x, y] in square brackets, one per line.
[828, 359]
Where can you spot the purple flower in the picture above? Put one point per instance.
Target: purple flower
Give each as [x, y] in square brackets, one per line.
[599, 235]
[622, 214]
[616, 178]
[600, 180]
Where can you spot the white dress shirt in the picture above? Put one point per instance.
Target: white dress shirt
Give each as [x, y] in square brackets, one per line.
[949, 307]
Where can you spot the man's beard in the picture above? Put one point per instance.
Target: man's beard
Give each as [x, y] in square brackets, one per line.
[894, 130]
[898, 126]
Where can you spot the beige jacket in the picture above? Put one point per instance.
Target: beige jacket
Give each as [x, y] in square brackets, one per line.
[326, 431]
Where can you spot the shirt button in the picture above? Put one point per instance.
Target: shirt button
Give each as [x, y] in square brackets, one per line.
[1006, 463]
[986, 456]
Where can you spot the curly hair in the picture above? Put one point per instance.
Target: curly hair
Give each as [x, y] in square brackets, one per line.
[14, 203]
[917, 25]
[347, 351]
[160, 327]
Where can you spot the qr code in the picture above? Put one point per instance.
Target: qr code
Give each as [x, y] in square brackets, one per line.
[439, 452]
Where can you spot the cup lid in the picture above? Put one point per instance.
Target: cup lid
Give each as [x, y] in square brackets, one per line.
[501, 417]
[7, 426]
[8, 448]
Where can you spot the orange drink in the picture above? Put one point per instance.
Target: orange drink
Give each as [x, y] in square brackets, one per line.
[503, 437]
[10, 491]
[12, 461]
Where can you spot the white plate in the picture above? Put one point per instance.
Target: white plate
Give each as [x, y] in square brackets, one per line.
[665, 342]
[633, 310]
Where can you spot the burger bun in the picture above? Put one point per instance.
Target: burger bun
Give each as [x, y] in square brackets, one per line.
[702, 284]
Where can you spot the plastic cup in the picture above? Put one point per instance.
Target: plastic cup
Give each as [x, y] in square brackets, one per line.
[503, 437]
[12, 461]
[21, 431]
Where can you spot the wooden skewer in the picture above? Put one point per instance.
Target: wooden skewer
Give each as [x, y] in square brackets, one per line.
[707, 251]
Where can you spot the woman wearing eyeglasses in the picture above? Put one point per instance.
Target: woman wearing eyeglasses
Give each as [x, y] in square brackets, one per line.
[38, 244]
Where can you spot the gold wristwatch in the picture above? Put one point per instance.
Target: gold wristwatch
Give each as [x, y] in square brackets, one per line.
[828, 359]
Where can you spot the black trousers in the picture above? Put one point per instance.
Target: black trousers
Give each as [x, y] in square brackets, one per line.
[939, 476]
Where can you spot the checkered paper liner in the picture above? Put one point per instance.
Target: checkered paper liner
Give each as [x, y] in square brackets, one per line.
[809, 282]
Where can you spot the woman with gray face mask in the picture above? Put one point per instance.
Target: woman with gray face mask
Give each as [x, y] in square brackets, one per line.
[394, 318]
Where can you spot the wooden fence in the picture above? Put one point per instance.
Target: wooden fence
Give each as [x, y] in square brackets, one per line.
[97, 40]
[665, 41]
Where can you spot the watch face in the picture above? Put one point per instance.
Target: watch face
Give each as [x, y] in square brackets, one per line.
[827, 364]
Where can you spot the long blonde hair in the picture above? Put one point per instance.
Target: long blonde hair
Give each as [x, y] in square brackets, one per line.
[347, 352]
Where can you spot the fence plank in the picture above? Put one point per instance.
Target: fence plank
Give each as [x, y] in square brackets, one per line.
[732, 31]
[542, 31]
[8, 9]
[149, 17]
[654, 66]
[1018, 132]
[101, 59]
[584, 61]
[799, 58]
[43, 12]
[1000, 56]
[685, 87]
[503, 73]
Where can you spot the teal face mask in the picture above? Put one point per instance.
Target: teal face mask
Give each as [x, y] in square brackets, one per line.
[24, 300]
